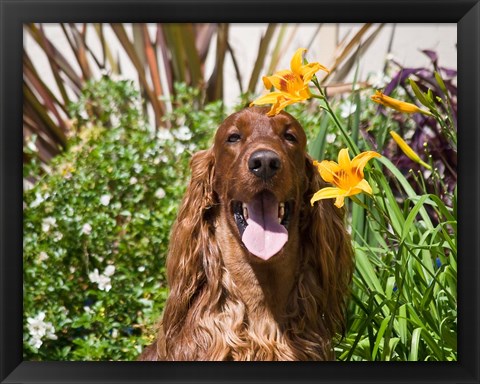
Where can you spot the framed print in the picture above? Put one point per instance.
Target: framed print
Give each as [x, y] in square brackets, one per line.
[228, 191]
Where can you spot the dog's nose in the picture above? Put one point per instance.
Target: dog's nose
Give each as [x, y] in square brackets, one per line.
[264, 163]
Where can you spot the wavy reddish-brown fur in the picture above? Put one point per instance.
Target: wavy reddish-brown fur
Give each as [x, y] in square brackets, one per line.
[223, 305]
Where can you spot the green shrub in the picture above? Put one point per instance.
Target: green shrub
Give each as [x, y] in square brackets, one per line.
[96, 227]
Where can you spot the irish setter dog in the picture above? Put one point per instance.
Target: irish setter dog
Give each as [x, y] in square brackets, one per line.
[255, 272]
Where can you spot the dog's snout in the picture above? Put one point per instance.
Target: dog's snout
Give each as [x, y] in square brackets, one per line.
[264, 164]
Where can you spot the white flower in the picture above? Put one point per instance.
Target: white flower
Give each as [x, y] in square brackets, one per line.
[133, 180]
[57, 236]
[141, 269]
[137, 168]
[183, 133]
[331, 138]
[148, 153]
[378, 80]
[94, 276]
[114, 333]
[102, 280]
[86, 229]
[35, 342]
[42, 256]
[87, 309]
[109, 271]
[160, 193]
[164, 134]
[40, 329]
[39, 199]
[160, 159]
[347, 108]
[104, 283]
[47, 223]
[31, 145]
[427, 173]
[30, 141]
[64, 310]
[105, 199]
[179, 148]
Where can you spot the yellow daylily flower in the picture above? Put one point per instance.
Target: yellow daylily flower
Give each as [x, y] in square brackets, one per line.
[398, 105]
[408, 150]
[347, 176]
[291, 84]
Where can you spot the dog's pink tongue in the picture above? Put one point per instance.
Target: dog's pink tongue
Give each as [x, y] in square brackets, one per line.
[264, 235]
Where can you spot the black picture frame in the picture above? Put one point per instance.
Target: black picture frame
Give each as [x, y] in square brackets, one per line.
[13, 13]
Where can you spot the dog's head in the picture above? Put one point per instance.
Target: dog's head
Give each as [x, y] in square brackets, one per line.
[260, 178]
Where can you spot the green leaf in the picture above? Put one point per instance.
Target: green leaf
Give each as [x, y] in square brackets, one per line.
[449, 334]
[411, 217]
[316, 148]
[379, 338]
[428, 295]
[440, 82]
[406, 186]
[415, 344]
[402, 324]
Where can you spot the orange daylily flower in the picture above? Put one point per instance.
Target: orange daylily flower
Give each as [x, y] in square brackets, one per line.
[291, 84]
[398, 105]
[347, 176]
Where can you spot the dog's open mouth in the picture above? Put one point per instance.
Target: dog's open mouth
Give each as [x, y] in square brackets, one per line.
[263, 223]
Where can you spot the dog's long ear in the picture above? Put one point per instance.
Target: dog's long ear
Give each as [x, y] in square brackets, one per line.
[328, 254]
[192, 242]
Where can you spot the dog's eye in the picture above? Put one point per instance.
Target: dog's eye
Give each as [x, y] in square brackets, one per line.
[290, 137]
[233, 138]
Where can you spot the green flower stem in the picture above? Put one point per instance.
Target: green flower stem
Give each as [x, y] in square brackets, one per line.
[353, 147]
[446, 128]
[356, 200]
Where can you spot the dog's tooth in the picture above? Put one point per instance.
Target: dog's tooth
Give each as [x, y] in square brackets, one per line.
[281, 211]
[245, 211]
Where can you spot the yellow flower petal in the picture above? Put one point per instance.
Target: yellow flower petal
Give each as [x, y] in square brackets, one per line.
[339, 201]
[284, 81]
[280, 104]
[269, 98]
[344, 159]
[327, 170]
[362, 186]
[297, 60]
[267, 82]
[359, 161]
[307, 71]
[327, 193]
